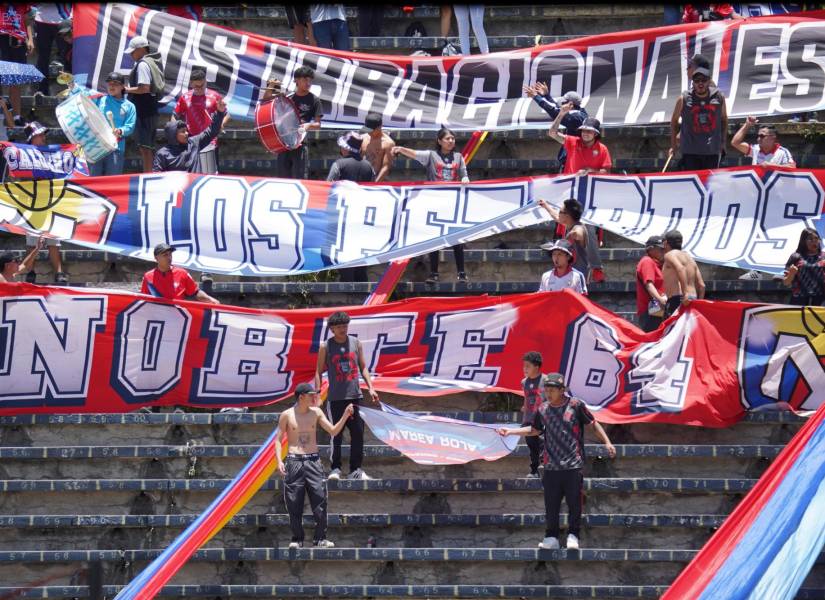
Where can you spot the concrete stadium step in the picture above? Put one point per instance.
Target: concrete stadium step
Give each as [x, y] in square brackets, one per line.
[653, 495]
[764, 428]
[54, 532]
[383, 461]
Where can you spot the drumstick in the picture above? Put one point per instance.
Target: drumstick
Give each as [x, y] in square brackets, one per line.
[667, 163]
[111, 117]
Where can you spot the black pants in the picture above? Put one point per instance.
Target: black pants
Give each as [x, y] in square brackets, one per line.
[458, 252]
[648, 323]
[558, 484]
[335, 410]
[672, 305]
[304, 474]
[697, 162]
[535, 444]
[45, 35]
[369, 20]
[293, 164]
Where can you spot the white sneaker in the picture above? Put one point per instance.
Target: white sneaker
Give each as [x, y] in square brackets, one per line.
[549, 543]
[335, 474]
[358, 474]
[532, 475]
[752, 274]
[572, 542]
[295, 545]
[324, 544]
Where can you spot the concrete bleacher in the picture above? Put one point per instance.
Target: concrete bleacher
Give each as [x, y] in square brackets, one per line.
[116, 489]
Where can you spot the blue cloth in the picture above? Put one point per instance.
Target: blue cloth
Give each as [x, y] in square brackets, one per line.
[124, 116]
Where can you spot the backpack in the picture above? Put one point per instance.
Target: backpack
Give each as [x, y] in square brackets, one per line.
[158, 82]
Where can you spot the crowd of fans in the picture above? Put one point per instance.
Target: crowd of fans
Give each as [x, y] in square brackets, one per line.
[698, 136]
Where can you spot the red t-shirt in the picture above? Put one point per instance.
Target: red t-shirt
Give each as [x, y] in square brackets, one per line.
[647, 270]
[580, 156]
[197, 111]
[175, 284]
[13, 20]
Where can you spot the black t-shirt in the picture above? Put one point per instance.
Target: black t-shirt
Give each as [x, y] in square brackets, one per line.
[562, 430]
[308, 106]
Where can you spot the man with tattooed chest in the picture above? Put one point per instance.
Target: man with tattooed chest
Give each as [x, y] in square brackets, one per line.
[302, 471]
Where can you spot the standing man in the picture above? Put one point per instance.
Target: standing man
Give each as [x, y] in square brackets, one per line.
[585, 153]
[171, 282]
[196, 107]
[143, 94]
[766, 150]
[571, 121]
[48, 17]
[531, 386]
[586, 257]
[16, 43]
[342, 357]
[329, 25]
[681, 275]
[351, 166]
[561, 421]
[704, 123]
[303, 472]
[377, 146]
[650, 299]
[295, 163]
[123, 118]
[183, 152]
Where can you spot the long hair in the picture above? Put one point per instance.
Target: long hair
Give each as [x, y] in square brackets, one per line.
[807, 233]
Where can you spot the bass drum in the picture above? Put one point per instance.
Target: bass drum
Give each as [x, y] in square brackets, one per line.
[278, 125]
[84, 124]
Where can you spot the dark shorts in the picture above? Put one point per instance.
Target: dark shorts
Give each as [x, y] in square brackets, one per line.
[145, 131]
[296, 14]
[12, 49]
[673, 304]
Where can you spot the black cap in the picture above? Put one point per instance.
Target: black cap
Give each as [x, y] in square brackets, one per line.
[372, 122]
[198, 73]
[117, 77]
[591, 124]
[161, 248]
[674, 238]
[554, 380]
[697, 60]
[304, 388]
[7, 257]
[655, 241]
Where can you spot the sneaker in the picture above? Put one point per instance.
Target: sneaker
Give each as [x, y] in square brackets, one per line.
[295, 545]
[433, 278]
[549, 543]
[146, 410]
[572, 542]
[462, 276]
[752, 274]
[335, 474]
[235, 409]
[323, 544]
[449, 49]
[18, 121]
[61, 278]
[359, 474]
[795, 119]
[532, 475]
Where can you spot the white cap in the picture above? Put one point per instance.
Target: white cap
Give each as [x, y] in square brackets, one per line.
[136, 42]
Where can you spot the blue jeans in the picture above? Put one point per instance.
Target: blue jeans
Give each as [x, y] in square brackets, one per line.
[111, 164]
[332, 33]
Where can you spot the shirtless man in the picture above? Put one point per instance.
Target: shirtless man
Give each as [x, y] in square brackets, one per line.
[682, 278]
[377, 146]
[11, 267]
[302, 471]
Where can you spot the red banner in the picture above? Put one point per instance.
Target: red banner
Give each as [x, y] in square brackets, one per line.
[100, 351]
[765, 66]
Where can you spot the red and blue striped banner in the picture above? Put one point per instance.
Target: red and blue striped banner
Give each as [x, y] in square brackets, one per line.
[766, 547]
[234, 497]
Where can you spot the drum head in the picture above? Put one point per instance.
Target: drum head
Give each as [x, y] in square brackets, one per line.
[278, 124]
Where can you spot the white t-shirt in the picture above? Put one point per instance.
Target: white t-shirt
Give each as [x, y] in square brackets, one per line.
[144, 74]
[573, 279]
[779, 156]
[52, 13]
[326, 12]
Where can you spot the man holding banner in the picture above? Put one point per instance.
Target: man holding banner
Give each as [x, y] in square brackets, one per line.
[561, 421]
[303, 472]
